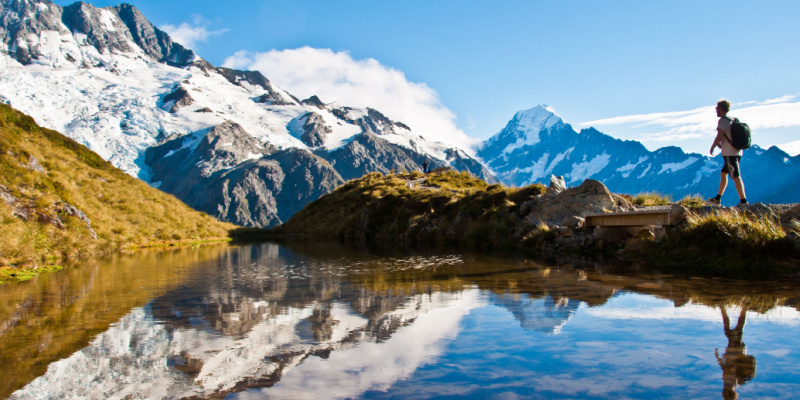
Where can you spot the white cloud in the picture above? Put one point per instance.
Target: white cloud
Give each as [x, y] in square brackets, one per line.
[336, 76]
[792, 148]
[190, 34]
[779, 113]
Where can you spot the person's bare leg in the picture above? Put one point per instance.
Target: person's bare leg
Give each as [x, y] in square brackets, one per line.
[739, 187]
[723, 183]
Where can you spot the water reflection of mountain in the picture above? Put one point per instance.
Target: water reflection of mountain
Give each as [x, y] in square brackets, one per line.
[260, 315]
[545, 314]
[329, 322]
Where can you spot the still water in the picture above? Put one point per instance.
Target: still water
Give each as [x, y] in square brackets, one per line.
[271, 321]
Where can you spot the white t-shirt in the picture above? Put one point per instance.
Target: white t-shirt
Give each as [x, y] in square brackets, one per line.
[727, 148]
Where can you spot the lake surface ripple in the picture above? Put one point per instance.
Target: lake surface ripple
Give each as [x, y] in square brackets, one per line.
[320, 321]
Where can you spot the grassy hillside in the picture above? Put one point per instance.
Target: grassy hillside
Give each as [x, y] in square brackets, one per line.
[60, 200]
[460, 210]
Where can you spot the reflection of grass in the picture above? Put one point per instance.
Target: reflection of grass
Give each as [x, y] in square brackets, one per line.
[384, 208]
[123, 210]
[728, 243]
[63, 312]
[23, 274]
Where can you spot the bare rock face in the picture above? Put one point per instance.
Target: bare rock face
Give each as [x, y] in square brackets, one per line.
[589, 198]
[557, 184]
[177, 99]
[227, 173]
[18, 26]
[6, 196]
[109, 29]
[315, 130]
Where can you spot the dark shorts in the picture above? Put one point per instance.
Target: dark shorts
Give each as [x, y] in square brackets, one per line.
[731, 166]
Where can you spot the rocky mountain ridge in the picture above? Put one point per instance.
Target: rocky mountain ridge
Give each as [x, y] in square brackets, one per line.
[109, 79]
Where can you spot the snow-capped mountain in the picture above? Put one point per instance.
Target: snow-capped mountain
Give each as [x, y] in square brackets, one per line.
[537, 143]
[109, 79]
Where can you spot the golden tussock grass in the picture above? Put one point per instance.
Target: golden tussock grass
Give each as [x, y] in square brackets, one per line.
[123, 210]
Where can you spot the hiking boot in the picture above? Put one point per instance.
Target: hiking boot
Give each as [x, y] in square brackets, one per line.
[713, 200]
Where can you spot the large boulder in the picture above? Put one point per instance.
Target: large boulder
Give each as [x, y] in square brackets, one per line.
[591, 197]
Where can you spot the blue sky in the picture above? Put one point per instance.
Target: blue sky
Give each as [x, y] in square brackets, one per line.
[642, 70]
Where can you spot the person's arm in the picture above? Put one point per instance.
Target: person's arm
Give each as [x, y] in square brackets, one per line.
[717, 141]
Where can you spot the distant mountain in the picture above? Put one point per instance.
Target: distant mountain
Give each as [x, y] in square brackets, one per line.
[537, 143]
[226, 142]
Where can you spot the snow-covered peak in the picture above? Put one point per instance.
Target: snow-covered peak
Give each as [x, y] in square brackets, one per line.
[537, 118]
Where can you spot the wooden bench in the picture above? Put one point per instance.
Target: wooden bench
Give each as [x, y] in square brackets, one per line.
[657, 217]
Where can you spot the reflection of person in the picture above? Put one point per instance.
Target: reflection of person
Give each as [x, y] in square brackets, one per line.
[730, 154]
[737, 366]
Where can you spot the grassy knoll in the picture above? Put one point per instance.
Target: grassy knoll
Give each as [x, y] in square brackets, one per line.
[463, 210]
[59, 200]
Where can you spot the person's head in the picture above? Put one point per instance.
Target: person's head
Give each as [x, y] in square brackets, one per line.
[723, 106]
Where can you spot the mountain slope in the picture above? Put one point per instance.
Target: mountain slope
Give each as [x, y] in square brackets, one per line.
[537, 143]
[109, 79]
[59, 199]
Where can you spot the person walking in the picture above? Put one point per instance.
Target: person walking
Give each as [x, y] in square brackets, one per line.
[730, 155]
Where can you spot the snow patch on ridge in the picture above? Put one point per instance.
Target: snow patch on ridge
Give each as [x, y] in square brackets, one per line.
[584, 170]
[629, 167]
[673, 167]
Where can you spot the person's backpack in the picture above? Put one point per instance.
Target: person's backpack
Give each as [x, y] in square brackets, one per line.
[740, 135]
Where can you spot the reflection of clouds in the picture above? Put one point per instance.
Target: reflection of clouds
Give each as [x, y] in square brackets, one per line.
[631, 306]
[376, 366]
[133, 357]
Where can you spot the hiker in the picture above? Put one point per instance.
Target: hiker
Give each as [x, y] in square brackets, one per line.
[738, 367]
[425, 166]
[730, 154]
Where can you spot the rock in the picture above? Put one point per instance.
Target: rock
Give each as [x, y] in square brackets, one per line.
[180, 98]
[760, 210]
[573, 222]
[70, 210]
[591, 197]
[6, 196]
[33, 165]
[790, 220]
[22, 212]
[792, 214]
[315, 130]
[557, 184]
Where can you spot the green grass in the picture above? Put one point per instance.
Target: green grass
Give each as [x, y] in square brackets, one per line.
[123, 210]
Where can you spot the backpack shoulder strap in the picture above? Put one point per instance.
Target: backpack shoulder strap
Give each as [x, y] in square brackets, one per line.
[724, 134]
